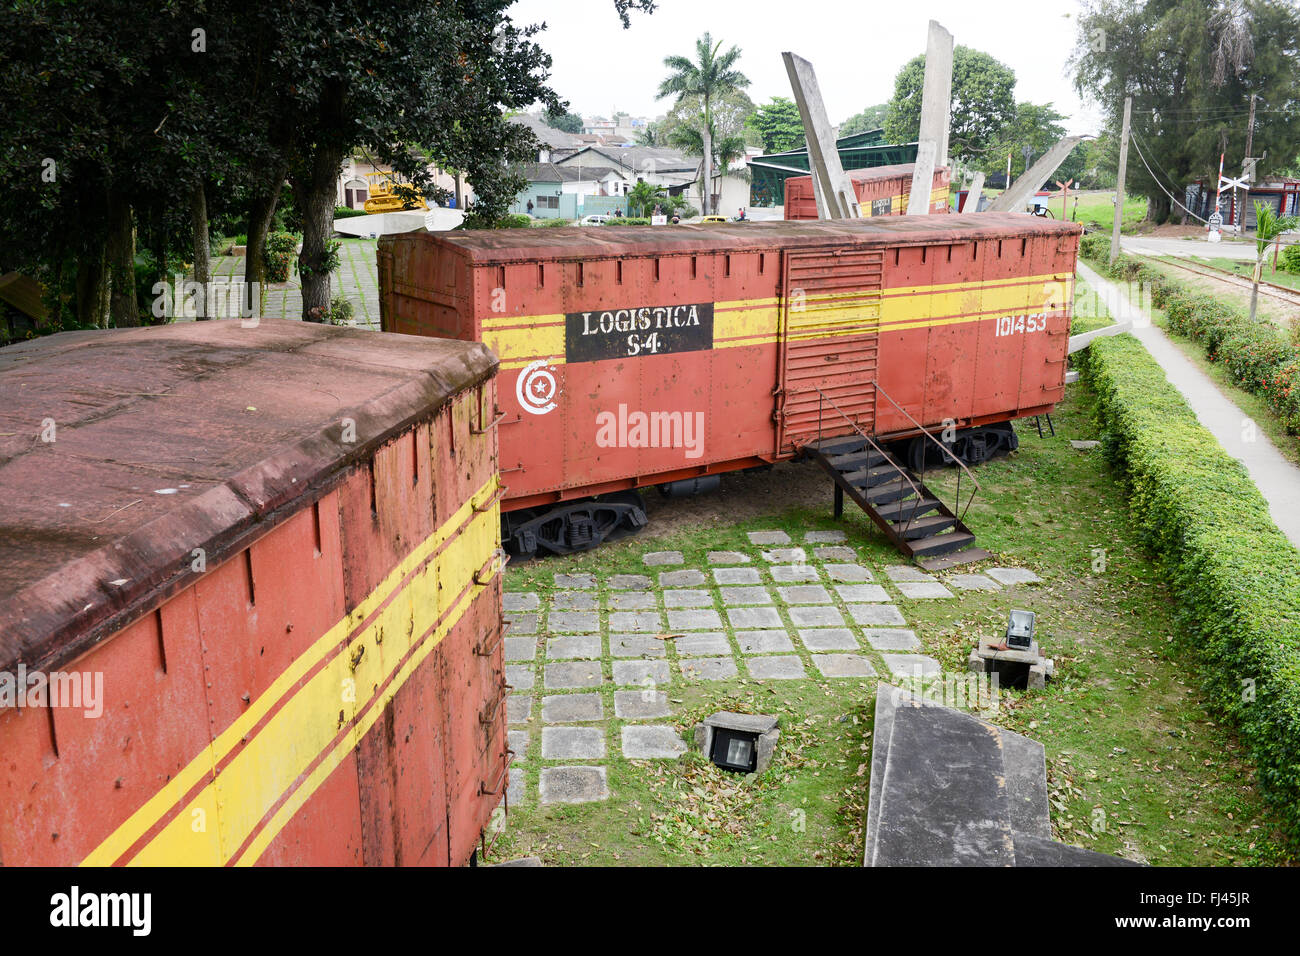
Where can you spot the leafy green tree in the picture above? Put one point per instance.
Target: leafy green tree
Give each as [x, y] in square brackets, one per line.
[778, 125]
[873, 117]
[564, 121]
[643, 196]
[1034, 125]
[1191, 67]
[703, 81]
[1268, 227]
[982, 103]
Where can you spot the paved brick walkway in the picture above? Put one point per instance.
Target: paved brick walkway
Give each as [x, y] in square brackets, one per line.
[593, 663]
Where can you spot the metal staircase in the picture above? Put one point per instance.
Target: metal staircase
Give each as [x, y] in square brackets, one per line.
[913, 517]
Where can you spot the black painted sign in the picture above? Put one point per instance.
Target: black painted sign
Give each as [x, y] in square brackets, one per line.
[882, 207]
[648, 330]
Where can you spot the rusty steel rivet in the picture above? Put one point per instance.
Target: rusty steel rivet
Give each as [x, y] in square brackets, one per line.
[246, 698]
[288, 628]
[117, 784]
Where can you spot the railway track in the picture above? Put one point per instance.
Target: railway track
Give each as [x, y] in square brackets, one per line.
[1271, 289]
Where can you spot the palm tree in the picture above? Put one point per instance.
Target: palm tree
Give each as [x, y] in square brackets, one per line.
[710, 76]
[726, 150]
[1268, 227]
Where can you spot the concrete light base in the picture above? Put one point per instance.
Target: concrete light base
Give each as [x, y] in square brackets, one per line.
[988, 657]
[761, 724]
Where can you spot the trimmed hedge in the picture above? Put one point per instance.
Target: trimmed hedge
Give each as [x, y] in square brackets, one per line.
[1235, 575]
[1259, 355]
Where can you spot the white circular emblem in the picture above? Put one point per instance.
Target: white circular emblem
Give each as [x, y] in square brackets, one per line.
[536, 388]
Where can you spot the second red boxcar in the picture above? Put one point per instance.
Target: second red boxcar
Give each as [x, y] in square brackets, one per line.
[881, 191]
[636, 356]
[252, 571]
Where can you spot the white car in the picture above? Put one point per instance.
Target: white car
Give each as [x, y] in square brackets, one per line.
[595, 220]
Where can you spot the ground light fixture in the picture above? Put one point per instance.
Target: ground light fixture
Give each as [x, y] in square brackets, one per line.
[1020, 629]
[740, 743]
[735, 750]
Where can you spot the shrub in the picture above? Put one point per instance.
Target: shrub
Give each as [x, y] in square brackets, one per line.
[347, 212]
[279, 251]
[1235, 577]
[1290, 260]
[1095, 246]
[1253, 353]
[1282, 389]
[555, 223]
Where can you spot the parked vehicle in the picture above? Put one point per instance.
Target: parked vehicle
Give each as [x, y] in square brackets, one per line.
[597, 219]
[275, 551]
[657, 357]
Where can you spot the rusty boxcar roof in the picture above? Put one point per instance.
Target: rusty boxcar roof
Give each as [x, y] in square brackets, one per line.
[178, 437]
[489, 246]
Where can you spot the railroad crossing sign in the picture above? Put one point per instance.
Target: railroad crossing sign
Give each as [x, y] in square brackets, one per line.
[1227, 182]
[1065, 195]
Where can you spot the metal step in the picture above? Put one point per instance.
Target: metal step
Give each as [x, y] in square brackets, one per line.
[901, 510]
[894, 490]
[837, 446]
[953, 560]
[942, 543]
[870, 477]
[924, 527]
[853, 461]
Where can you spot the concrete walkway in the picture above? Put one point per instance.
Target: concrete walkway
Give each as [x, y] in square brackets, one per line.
[1277, 479]
[1182, 248]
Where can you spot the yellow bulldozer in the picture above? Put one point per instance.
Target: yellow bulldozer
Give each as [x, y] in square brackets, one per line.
[389, 195]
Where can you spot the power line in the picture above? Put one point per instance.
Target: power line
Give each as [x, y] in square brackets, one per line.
[1133, 136]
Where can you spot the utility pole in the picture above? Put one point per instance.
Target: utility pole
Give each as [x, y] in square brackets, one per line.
[1250, 142]
[1119, 183]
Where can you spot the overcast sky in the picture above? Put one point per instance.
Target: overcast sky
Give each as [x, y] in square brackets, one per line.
[857, 47]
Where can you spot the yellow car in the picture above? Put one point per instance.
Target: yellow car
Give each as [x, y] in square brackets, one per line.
[713, 219]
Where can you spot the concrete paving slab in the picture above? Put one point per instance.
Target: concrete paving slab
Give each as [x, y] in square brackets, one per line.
[875, 615]
[734, 597]
[655, 558]
[520, 601]
[906, 572]
[793, 573]
[632, 601]
[520, 676]
[576, 581]
[702, 645]
[584, 646]
[848, 573]
[786, 556]
[805, 594]
[973, 582]
[640, 704]
[522, 623]
[891, 638]
[572, 708]
[728, 557]
[573, 601]
[636, 645]
[1013, 576]
[708, 668]
[843, 665]
[816, 617]
[628, 582]
[754, 617]
[922, 590]
[520, 648]
[836, 554]
[516, 788]
[736, 575]
[911, 665]
[675, 597]
[861, 593]
[641, 673]
[828, 639]
[517, 740]
[573, 743]
[519, 707]
[763, 642]
[768, 537]
[694, 620]
[681, 579]
[775, 668]
[581, 622]
[572, 785]
[573, 674]
[644, 622]
[825, 537]
[654, 742]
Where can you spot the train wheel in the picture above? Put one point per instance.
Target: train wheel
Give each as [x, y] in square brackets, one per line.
[974, 446]
[573, 526]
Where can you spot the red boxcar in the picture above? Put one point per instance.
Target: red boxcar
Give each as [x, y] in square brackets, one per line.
[881, 191]
[255, 571]
[636, 356]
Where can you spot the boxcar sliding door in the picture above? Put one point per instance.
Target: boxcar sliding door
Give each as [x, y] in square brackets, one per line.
[830, 319]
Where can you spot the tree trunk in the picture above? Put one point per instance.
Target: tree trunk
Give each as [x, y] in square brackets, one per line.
[313, 191]
[120, 253]
[261, 210]
[202, 265]
[92, 289]
[1254, 288]
[706, 188]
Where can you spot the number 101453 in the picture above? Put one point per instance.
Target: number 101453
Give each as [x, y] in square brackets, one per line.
[1019, 324]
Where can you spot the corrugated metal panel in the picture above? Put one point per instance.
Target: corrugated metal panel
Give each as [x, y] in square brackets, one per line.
[829, 344]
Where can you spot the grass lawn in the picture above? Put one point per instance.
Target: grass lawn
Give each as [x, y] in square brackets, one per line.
[1136, 765]
[1097, 210]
